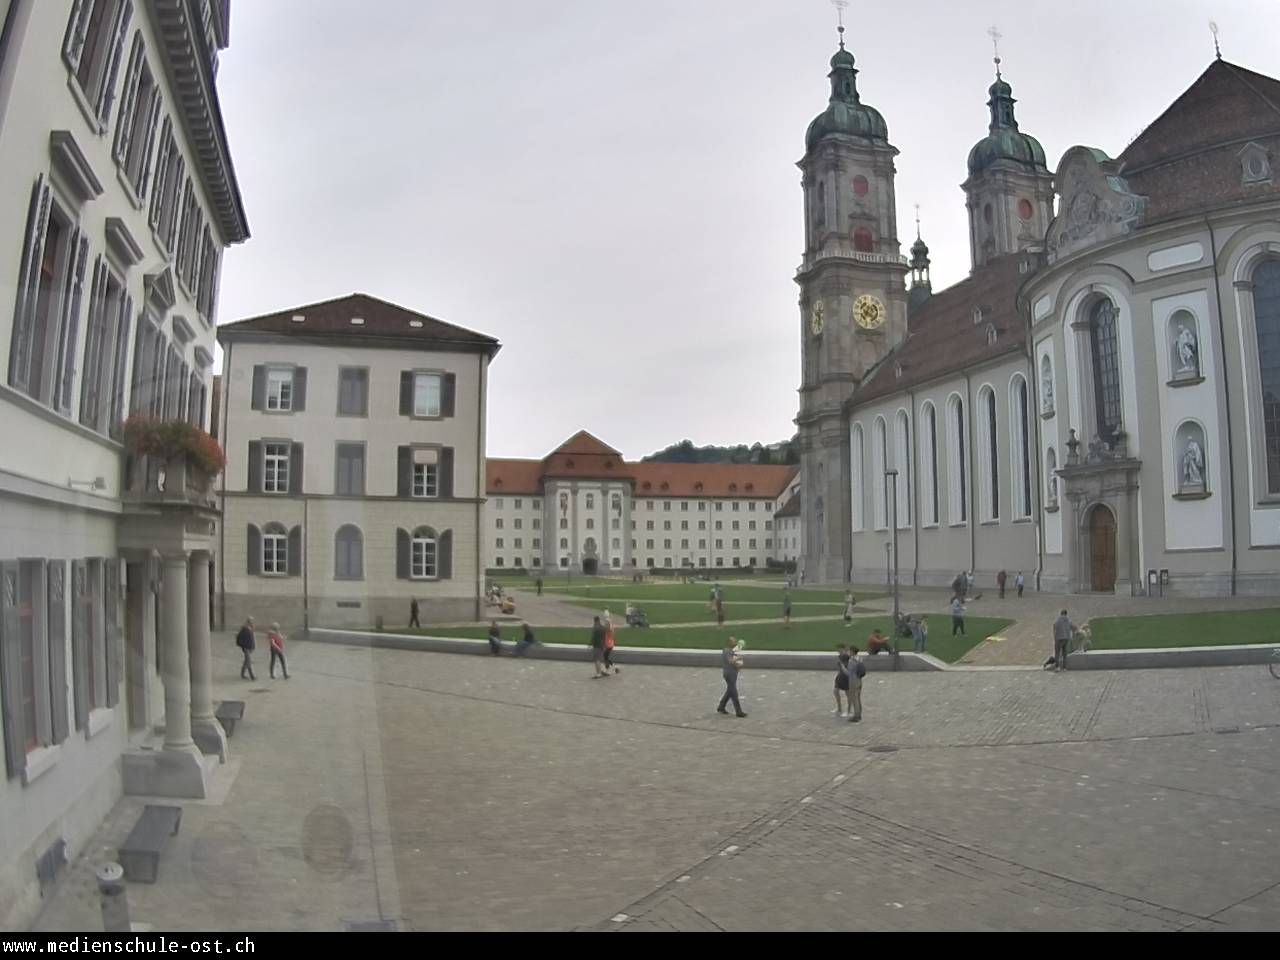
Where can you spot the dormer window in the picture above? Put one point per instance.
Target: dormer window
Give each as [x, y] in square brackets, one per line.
[977, 316]
[992, 334]
[357, 321]
[1255, 164]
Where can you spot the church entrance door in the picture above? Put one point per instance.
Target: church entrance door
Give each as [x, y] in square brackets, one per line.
[1102, 549]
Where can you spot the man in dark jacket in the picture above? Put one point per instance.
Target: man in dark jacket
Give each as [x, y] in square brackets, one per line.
[244, 640]
[413, 613]
[597, 647]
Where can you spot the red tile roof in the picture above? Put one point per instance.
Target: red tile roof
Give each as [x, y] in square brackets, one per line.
[943, 337]
[381, 319]
[583, 442]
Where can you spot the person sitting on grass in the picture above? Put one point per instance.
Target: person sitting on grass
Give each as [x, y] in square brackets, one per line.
[526, 641]
[877, 642]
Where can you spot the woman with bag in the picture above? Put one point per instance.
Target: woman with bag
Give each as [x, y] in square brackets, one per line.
[608, 645]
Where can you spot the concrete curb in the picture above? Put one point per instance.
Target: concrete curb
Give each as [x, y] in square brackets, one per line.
[1161, 657]
[651, 656]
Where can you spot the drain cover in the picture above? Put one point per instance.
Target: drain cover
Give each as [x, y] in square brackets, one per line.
[884, 749]
[371, 926]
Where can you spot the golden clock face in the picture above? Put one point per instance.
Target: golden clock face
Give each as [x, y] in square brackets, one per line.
[817, 319]
[868, 312]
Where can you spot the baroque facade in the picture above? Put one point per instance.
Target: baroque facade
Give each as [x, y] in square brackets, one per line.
[1097, 404]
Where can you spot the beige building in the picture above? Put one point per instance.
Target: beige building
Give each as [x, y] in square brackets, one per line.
[119, 199]
[1095, 404]
[584, 509]
[354, 432]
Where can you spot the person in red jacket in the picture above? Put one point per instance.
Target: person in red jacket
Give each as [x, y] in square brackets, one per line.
[608, 644]
[276, 640]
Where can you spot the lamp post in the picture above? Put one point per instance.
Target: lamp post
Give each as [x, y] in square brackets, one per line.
[891, 481]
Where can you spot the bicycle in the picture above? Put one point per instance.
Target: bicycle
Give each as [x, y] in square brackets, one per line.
[1274, 665]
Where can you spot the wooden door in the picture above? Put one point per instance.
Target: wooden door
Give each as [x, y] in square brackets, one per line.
[1102, 549]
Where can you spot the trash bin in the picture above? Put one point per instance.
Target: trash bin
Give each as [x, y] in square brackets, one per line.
[114, 897]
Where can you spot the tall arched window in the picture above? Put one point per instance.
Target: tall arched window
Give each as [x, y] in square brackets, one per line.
[422, 554]
[1266, 312]
[820, 205]
[929, 455]
[348, 553]
[275, 549]
[1020, 449]
[857, 485]
[990, 455]
[879, 460]
[958, 504]
[1105, 348]
[902, 460]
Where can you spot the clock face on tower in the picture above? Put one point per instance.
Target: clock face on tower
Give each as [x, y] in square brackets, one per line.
[817, 319]
[868, 312]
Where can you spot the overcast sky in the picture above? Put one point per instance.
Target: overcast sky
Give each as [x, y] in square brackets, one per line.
[610, 188]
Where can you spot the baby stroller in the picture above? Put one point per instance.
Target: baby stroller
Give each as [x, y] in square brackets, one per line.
[637, 618]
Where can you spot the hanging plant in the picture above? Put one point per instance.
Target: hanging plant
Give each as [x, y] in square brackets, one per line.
[172, 440]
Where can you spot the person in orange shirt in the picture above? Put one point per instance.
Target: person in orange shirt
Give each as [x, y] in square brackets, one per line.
[276, 639]
[877, 642]
[608, 645]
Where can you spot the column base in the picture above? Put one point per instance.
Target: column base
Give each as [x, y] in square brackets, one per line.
[209, 736]
[181, 773]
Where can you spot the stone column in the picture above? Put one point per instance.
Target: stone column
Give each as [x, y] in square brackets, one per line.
[176, 668]
[205, 729]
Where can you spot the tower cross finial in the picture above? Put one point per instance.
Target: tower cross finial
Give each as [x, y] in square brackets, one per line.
[917, 221]
[1217, 49]
[996, 36]
[840, 7]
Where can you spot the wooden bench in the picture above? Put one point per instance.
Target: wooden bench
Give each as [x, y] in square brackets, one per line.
[140, 854]
[229, 713]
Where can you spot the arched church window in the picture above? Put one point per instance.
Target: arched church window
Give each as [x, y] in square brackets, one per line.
[1266, 311]
[902, 451]
[879, 463]
[1106, 368]
[1021, 452]
[956, 457]
[857, 489]
[991, 454]
[930, 454]
[863, 241]
[860, 186]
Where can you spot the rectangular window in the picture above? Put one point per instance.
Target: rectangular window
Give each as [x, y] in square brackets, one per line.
[279, 389]
[735, 524]
[426, 480]
[275, 553]
[666, 544]
[736, 543]
[426, 394]
[591, 501]
[499, 503]
[537, 504]
[537, 523]
[666, 505]
[649, 544]
[684, 544]
[498, 543]
[702, 524]
[616, 543]
[751, 506]
[752, 544]
[719, 544]
[684, 524]
[591, 523]
[564, 523]
[353, 392]
[519, 561]
[564, 543]
[519, 504]
[719, 561]
[736, 505]
[768, 508]
[518, 543]
[275, 468]
[497, 524]
[702, 561]
[422, 558]
[537, 543]
[616, 524]
[92, 48]
[648, 524]
[517, 523]
[136, 123]
[350, 464]
[702, 544]
[719, 506]
[666, 524]
[768, 525]
[648, 504]
[719, 524]
[106, 302]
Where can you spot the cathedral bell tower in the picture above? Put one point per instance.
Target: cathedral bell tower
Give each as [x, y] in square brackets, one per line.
[1009, 190]
[853, 301]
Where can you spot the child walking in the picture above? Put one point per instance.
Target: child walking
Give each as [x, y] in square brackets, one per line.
[276, 639]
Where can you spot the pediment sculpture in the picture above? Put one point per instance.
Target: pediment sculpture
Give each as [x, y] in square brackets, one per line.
[1095, 205]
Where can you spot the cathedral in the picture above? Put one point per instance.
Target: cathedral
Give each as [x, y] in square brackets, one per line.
[1097, 405]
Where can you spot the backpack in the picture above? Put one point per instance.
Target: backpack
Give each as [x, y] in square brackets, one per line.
[860, 670]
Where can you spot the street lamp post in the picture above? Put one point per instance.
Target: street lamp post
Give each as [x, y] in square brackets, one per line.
[891, 481]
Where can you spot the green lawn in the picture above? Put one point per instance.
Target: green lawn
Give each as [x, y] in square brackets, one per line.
[1186, 630]
[642, 593]
[807, 636]
[671, 612]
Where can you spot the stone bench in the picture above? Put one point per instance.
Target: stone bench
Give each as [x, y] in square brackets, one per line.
[140, 853]
[229, 713]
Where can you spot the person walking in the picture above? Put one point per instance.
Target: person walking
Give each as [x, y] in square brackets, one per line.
[849, 603]
[957, 616]
[275, 640]
[731, 663]
[920, 634]
[495, 638]
[1063, 629]
[244, 640]
[960, 585]
[539, 585]
[413, 613]
[842, 680]
[608, 644]
[597, 648]
[1001, 577]
[526, 641]
[786, 608]
[1019, 581]
[719, 611]
[857, 670]
[970, 580]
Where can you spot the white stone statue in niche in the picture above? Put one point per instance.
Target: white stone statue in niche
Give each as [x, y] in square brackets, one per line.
[1053, 490]
[1188, 351]
[1193, 464]
[1046, 389]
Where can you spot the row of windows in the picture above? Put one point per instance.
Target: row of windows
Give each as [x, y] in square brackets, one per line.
[500, 542]
[283, 389]
[422, 472]
[43, 604]
[616, 562]
[421, 554]
[616, 524]
[590, 504]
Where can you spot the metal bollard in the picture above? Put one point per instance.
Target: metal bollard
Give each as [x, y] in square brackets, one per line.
[115, 898]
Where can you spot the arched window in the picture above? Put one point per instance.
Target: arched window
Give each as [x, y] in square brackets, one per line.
[902, 460]
[1266, 312]
[1020, 449]
[820, 204]
[879, 460]
[1106, 368]
[857, 486]
[863, 241]
[929, 456]
[275, 549]
[422, 554]
[348, 553]
[990, 454]
[956, 459]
